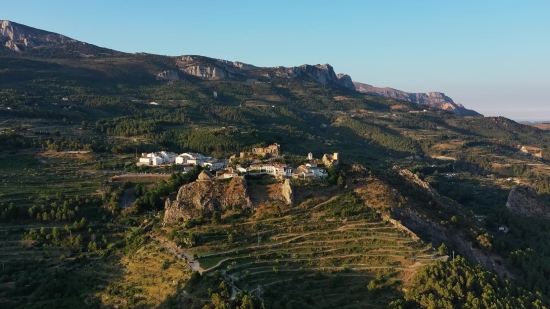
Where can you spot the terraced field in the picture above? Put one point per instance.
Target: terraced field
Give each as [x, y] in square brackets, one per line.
[27, 176]
[331, 261]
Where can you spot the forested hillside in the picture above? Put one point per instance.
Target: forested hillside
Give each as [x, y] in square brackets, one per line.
[69, 126]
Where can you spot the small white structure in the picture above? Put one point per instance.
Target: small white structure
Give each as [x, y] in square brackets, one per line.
[503, 229]
[190, 158]
[310, 156]
[215, 94]
[310, 170]
[214, 164]
[65, 99]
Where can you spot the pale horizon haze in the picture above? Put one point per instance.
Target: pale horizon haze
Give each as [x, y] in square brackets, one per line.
[490, 56]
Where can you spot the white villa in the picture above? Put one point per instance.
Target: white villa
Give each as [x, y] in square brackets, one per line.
[310, 170]
[157, 158]
[163, 157]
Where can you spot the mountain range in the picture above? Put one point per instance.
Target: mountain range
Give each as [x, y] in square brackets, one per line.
[18, 38]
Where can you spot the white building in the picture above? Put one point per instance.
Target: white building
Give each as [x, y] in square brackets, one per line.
[191, 158]
[214, 164]
[157, 158]
[310, 171]
[168, 157]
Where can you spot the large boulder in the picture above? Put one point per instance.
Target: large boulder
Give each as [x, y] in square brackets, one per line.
[206, 195]
[287, 192]
[523, 200]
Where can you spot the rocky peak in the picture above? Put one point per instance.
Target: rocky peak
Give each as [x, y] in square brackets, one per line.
[523, 200]
[210, 68]
[432, 99]
[19, 37]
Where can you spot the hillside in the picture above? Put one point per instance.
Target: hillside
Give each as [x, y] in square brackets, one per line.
[82, 225]
[432, 99]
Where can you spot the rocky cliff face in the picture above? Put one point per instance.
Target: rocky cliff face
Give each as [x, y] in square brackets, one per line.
[208, 196]
[19, 37]
[168, 75]
[432, 99]
[523, 200]
[210, 68]
[287, 192]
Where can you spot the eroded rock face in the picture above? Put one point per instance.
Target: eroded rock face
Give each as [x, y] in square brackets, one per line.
[19, 37]
[210, 68]
[323, 74]
[207, 196]
[523, 200]
[287, 192]
[168, 75]
[432, 99]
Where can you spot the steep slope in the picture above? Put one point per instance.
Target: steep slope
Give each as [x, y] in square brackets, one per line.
[19, 37]
[24, 39]
[432, 99]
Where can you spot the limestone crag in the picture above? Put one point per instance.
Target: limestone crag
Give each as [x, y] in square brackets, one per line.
[432, 99]
[287, 192]
[523, 200]
[206, 195]
[168, 75]
[210, 68]
[17, 37]
[323, 74]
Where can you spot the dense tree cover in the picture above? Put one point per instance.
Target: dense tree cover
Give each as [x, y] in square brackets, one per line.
[127, 126]
[391, 141]
[151, 199]
[458, 284]
[55, 209]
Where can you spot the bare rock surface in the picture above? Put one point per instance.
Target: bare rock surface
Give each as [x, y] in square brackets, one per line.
[19, 37]
[523, 200]
[432, 99]
[206, 195]
[287, 192]
[168, 75]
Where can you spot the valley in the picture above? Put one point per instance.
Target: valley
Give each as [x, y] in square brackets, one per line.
[414, 191]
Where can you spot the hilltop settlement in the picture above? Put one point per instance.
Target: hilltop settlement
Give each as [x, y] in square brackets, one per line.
[260, 160]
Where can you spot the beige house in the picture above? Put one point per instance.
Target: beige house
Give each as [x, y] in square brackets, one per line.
[331, 159]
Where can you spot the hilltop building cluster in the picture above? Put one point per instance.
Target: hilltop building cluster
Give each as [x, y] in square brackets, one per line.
[163, 157]
[311, 169]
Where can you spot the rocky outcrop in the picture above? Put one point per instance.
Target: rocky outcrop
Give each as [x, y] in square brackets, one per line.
[287, 192]
[432, 99]
[523, 200]
[17, 37]
[210, 68]
[205, 72]
[168, 75]
[323, 74]
[206, 195]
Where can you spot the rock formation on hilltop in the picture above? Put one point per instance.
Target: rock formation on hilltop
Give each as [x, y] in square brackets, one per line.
[432, 99]
[523, 200]
[206, 194]
[19, 37]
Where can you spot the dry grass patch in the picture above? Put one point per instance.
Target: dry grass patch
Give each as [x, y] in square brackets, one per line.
[150, 275]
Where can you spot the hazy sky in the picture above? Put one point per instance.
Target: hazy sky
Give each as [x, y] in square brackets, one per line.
[491, 56]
